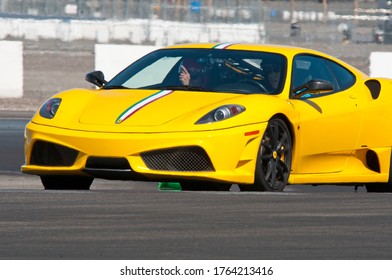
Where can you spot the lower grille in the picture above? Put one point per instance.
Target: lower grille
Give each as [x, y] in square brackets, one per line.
[50, 154]
[108, 163]
[178, 159]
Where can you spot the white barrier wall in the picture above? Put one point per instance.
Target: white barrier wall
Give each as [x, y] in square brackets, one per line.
[380, 64]
[11, 69]
[111, 59]
[134, 31]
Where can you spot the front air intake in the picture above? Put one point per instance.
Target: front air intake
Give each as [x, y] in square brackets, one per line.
[49, 154]
[191, 158]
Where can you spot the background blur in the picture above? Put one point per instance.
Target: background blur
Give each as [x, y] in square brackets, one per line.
[59, 35]
[363, 21]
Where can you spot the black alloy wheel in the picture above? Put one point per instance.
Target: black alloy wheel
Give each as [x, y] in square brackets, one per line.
[274, 158]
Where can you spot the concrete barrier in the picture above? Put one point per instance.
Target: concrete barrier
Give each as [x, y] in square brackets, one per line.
[380, 64]
[11, 69]
[111, 59]
[134, 31]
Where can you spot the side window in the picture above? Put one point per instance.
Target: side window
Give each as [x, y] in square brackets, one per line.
[309, 67]
[345, 78]
[301, 71]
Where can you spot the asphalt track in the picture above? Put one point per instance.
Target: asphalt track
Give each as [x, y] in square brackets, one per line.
[133, 220]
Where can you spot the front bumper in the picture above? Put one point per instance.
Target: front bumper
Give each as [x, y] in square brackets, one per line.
[231, 152]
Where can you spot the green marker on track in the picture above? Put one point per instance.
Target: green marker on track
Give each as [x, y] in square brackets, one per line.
[169, 186]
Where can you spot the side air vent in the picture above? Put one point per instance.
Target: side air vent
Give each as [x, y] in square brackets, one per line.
[372, 161]
[375, 88]
[49, 154]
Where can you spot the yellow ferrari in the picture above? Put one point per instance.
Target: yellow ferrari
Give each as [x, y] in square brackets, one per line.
[211, 115]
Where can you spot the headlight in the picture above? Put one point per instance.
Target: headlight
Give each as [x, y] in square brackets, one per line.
[222, 113]
[50, 107]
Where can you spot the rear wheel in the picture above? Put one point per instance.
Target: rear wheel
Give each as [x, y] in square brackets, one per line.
[63, 182]
[274, 159]
[204, 186]
[379, 187]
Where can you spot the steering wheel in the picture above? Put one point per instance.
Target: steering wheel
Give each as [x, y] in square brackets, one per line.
[256, 84]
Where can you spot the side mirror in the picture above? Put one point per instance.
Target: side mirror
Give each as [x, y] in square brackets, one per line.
[313, 87]
[96, 78]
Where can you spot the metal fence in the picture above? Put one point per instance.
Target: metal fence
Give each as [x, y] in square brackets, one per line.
[304, 20]
[227, 11]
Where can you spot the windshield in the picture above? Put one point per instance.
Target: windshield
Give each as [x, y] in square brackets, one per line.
[205, 70]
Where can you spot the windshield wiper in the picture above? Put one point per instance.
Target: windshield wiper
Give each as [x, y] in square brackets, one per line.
[186, 88]
[115, 87]
[189, 88]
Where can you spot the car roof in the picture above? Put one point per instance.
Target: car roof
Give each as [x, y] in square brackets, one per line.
[245, 46]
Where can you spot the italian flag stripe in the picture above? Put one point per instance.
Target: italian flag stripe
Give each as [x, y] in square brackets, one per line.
[223, 46]
[144, 102]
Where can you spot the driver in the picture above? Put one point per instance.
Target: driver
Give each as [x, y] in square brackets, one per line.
[191, 73]
[272, 70]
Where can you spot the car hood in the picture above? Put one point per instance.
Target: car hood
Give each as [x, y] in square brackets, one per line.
[146, 107]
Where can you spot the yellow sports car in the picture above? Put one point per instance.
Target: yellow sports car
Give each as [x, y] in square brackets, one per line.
[211, 115]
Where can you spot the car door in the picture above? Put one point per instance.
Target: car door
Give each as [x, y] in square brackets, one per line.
[330, 122]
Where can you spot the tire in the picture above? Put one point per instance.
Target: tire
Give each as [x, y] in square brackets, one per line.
[204, 186]
[64, 182]
[274, 158]
[379, 187]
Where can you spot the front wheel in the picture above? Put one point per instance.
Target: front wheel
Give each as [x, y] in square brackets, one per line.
[273, 162]
[64, 182]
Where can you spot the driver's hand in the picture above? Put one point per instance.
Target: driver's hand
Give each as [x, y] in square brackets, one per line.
[185, 77]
